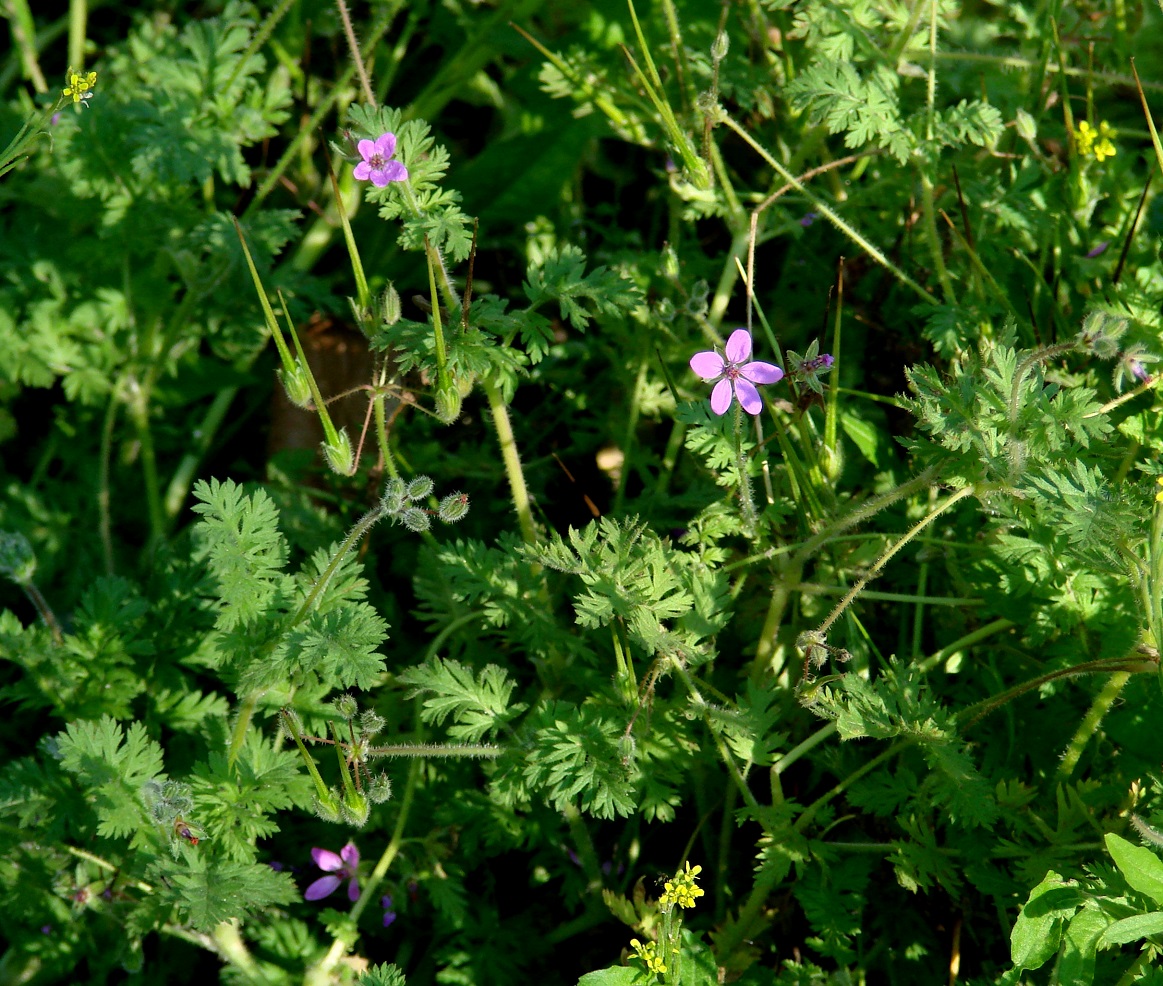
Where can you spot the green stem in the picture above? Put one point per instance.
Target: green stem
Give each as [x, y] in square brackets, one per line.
[179, 485]
[233, 949]
[78, 18]
[794, 754]
[936, 249]
[884, 559]
[362, 526]
[45, 611]
[105, 454]
[512, 460]
[23, 29]
[139, 411]
[1090, 722]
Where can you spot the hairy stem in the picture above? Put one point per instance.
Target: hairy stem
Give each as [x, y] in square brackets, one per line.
[512, 460]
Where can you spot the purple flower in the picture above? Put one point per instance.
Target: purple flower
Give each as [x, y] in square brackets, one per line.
[1139, 371]
[809, 218]
[1099, 249]
[376, 165]
[736, 377]
[339, 867]
[389, 914]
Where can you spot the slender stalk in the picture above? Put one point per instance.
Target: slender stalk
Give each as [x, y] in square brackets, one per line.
[512, 461]
[796, 752]
[233, 949]
[884, 559]
[78, 22]
[936, 248]
[23, 29]
[105, 454]
[356, 57]
[1090, 722]
[44, 609]
[139, 412]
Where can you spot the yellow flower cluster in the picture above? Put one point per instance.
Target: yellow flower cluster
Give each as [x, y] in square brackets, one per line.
[648, 953]
[682, 890]
[80, 87]
[1159, 495]
[1096, 142]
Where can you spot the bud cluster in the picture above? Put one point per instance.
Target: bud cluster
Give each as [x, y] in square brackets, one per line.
[399, 503]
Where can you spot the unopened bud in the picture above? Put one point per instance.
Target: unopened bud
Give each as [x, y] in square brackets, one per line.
[326, 808]
[345, 706]
[720, 46]
[339, 455]
[448, 401]
[370, 722]
[415, 520]
[356, 808]
[1027, 127]
[17, 560]
[419, 488]
[393, 499]
[453, 507]
[380, 789]
[296, 385]
[390, 310]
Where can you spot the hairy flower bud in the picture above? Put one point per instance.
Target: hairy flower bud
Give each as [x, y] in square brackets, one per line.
[370, 722]
[453, 507]
[327, 809]
[415, 520]
[345, 706]
[17, 560]
[419, 488]
[390, 309]
[380, 789]
[295, 385]
[355, 807]
[448, 401]
[340, 456]
[720, 46]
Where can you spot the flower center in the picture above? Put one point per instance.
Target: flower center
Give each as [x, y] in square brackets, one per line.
[732, 371]
[377, 162]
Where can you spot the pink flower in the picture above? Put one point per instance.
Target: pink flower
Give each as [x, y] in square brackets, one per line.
[376, 165]
[339, 867]
[736, 377]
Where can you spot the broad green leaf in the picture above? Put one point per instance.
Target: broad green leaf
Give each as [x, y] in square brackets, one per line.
[1076, 967]
[864, 436]
[1141, 867]
[1132, 929]
[1038, 929]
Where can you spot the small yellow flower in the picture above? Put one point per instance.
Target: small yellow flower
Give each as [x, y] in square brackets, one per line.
[1159, 495]
[648, 953]
[80, 86]
[1097, 143]
[682, 890]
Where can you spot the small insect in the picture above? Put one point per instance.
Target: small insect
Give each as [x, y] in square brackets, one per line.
[182, 829]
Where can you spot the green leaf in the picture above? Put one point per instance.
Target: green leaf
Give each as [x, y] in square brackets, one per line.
[478, 705]
[1079, 944]
[864, 436]
[1141, 868]
[1038, 928]
[113, 765]
[1132, 929]
[381, 975]
[618, 975]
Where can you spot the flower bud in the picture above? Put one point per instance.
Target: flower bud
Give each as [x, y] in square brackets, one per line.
[390, 310]
[393, 499]
[453, 507]
[415, 520]
[295, 385]
[448, 401]
[345, 706]
[370, 722]
[327, 809]
[720, 46]
[355, 807]
[1026, 125]
[17, 560]
[419, 488]
[339, 455]
[380, 789]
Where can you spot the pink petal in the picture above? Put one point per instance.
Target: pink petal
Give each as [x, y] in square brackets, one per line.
[325, 859]
[366, 148]
[322, 887]
[386, 144]
[350, 856]
[379, 179]
[721, 396]
[708, 365]
[762, 372]
[394, 171]
[739, 346]
[352, 891]
[748, 396]
[363, 171]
